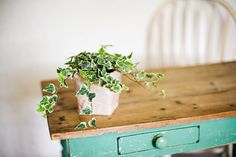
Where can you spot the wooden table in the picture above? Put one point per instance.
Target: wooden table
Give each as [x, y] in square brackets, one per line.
[198, 112]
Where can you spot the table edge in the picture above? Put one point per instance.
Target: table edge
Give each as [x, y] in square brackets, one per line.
[141, 126]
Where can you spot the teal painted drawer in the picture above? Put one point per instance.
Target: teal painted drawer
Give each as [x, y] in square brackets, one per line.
[157, 140]
[179, 138]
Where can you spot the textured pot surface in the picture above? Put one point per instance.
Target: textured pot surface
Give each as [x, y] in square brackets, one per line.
[105, 101]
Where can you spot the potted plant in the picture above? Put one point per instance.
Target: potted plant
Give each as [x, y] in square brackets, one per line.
[98, 82]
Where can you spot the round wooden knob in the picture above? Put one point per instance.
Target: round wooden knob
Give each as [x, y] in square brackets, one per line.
[159, 142]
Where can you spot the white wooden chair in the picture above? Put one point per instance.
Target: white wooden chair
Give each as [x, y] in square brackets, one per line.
[192, 32]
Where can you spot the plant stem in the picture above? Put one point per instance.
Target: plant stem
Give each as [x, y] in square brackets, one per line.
[136, 81]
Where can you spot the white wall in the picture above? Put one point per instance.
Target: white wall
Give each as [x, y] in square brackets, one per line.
[36, 37]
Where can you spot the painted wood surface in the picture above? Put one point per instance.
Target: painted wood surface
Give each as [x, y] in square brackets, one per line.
[193, 94]
[150, 140]
[211, 133]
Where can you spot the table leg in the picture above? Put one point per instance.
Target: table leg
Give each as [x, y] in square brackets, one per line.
[234, 150]
[64, 148]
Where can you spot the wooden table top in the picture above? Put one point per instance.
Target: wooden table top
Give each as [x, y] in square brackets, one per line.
[193, 94]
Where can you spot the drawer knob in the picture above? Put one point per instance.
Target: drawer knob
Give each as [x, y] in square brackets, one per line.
[159, 142]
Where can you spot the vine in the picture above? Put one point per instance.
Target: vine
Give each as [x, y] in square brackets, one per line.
[95, 68]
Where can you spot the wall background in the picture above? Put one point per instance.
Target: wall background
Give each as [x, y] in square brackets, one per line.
[36, 37]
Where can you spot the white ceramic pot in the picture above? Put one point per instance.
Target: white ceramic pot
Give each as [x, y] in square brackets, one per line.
[105, 101]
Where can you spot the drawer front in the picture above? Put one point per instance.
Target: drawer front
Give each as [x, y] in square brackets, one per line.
[213, 133]
[157, 140]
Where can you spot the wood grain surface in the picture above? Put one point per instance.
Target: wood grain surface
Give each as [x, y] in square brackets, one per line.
[192, 94]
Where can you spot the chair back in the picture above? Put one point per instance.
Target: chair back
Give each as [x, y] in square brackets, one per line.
[191, 32]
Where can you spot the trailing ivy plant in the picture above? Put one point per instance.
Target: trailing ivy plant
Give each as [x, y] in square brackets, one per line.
[48, 102]
[95, 68]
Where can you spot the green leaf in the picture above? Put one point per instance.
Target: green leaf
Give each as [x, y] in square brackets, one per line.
[47, 104]
[101, 51]
[46, 107]
[93, 65]
[140, 75]
[53, 99]
[65, 73]
[116, 88]
[91, 96]
[124, 87]
[40, 109]
[87, 110]
[108, 65]
[91, 77]
[50, 88]
[103, 48]
[81, 125]
[62, 80]
[103, 72]
[102, 82]
[150, 75]
[120, 63]
[92, 122]
[124, 65]
[130, 55]
[83, 90]
[100, 61]
[82, 73]
[84, 65]
[129, 66]
[160, 76]
[44, 102]
[50, 109]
